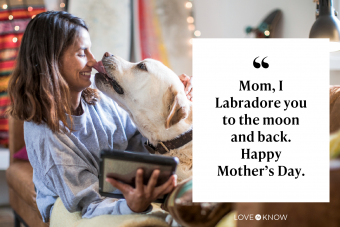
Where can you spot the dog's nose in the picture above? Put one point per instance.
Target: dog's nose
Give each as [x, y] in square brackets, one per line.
[107, 54]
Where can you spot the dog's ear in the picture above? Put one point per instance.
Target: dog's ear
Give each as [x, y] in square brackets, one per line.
[178, 111]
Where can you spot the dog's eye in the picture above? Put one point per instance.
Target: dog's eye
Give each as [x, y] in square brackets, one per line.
[142, 66]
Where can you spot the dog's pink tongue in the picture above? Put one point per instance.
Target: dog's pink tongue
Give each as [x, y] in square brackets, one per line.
[99, 67]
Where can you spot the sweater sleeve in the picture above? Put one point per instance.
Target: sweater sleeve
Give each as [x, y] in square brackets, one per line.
[74, 179]
[78, 189]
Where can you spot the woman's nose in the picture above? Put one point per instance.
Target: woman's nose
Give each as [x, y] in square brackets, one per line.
[91, 61]
[107, 54]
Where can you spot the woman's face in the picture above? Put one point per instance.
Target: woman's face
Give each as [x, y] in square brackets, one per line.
[77, 62]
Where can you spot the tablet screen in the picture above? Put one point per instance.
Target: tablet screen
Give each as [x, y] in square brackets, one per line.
[125, 171]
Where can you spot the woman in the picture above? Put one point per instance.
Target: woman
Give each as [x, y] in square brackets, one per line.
[67, 123]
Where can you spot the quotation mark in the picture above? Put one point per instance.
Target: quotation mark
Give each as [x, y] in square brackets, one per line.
[258, 65]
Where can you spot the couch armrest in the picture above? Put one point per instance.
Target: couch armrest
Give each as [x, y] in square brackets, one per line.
[16, 136]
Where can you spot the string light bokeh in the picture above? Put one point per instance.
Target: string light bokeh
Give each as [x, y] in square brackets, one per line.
[63, 5]
[191, 20]
[16, 28]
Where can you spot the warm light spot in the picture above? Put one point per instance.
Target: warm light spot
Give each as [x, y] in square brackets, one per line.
[190, 41]
[4, 6]
[267, 33]
[15, 39]
[197, 33]
[33, 16]
[191, 27]
[190, 20]
[62, 5]
[10, 17]
[16, 28]
[30, 8]
[188, 5]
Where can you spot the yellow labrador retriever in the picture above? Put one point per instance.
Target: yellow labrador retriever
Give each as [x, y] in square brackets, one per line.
[154, 97]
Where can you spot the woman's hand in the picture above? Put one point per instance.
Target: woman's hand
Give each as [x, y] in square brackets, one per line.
[187, 81]
[140, 198]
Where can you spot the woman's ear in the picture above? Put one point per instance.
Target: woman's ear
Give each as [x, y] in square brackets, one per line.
[178, 111]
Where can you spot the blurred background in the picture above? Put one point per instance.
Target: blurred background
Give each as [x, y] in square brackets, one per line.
[159, 29]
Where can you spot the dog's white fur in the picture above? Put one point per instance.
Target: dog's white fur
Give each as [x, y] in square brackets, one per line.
[155, 101]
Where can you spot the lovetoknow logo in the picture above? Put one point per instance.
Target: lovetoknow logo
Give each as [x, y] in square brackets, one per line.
[263, 63]
[258, 217]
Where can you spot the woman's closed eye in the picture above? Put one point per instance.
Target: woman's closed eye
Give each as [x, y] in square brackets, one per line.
[142, 66]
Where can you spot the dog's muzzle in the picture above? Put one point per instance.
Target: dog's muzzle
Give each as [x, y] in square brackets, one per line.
[106, 79]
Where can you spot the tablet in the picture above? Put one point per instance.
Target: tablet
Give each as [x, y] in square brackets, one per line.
[122, 165]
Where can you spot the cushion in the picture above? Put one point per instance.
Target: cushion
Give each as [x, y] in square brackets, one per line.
[61, 217]
[21, 154]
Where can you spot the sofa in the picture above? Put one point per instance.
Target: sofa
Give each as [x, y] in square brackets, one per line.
[22, 193]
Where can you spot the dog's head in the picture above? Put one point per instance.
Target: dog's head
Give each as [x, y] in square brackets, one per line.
[149, 91]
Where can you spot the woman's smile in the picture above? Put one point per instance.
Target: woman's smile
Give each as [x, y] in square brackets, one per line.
[86, 74]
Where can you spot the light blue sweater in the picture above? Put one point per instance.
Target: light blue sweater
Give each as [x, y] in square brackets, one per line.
[67, 165]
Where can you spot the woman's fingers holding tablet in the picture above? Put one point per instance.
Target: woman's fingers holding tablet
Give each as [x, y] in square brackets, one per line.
[153, 181]
[167, 187]
[139, 198]
[124, 188]
[139, 181]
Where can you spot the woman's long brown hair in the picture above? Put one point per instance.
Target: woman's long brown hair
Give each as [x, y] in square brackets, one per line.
[37, 90]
